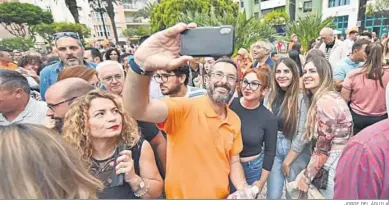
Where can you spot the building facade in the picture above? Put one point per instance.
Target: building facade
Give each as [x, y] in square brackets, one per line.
[344, 11]
[304, 7]
[259, 8]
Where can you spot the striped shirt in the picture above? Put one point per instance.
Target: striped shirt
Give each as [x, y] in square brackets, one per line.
[363, 168]
[34, 113]
[193, 92]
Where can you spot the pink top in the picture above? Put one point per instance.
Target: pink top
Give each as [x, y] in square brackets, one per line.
[367, 95]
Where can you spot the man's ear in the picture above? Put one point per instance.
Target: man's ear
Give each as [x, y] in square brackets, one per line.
[182, 78]
[97, 59]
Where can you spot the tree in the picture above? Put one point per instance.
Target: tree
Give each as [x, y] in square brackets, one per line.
[277, 17]
[136, 31]
[378, 6]
[17, 43]
[247, 31]
[47, 31]
[146, 11]
[73, 8]
[308, 28]
[20, 19]
[168, 12]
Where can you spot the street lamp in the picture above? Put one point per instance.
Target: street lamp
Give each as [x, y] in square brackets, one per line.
[99, 7]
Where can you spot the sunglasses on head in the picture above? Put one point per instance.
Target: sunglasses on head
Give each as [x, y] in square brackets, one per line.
[66, 34]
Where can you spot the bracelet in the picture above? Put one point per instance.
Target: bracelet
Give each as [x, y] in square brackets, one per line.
[146, 190]
[137, 69]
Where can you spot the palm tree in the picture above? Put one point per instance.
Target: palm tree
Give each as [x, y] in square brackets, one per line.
[247, 31]
[73, 8]
[146, 11]
[308, 28]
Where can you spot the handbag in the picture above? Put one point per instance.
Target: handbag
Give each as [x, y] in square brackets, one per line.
[321, 179]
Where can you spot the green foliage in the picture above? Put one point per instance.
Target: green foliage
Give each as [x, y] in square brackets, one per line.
[168, 12]
[47, 31]
[276, 17]
[247, 31]
[308, 28]
[380, 6]
[17, 43]
[146, 11]
[136, 31]
[19, 19]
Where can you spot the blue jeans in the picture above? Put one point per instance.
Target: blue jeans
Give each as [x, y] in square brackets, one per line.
[275, 182]
[252, 171]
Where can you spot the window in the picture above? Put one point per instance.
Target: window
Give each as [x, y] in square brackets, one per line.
[256, 1]
[266, 11]
[335, 3]
[341, 23]
[256, 15]
[241, 4]
[307, 6]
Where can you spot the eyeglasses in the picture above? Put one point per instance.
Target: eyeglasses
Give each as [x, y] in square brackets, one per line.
[220, 76]
[66, 34]
[162, 78]
[253, 84]
[53, 106]
[109, 79]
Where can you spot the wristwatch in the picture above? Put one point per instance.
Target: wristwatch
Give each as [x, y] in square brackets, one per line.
[141, 186]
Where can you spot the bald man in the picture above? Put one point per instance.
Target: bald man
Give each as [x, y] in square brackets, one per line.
[111, 76]
[333, 49]
[60, 96]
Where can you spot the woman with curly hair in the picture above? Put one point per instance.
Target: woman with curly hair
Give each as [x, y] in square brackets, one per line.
[108, 141]
[112, 54]
[38, 164]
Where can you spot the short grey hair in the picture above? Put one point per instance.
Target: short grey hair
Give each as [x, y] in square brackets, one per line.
[109, 63]
[12, 79]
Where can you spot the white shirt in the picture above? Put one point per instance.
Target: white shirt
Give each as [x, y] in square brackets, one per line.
[349, 44]
[34, 113]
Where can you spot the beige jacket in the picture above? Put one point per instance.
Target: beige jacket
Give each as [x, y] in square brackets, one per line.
[339, 51]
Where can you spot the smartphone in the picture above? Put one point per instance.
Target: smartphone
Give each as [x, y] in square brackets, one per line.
[117, 180]
[208, 41]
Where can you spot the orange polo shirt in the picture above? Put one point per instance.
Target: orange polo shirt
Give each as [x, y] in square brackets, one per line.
[199, 149]
[9, 66]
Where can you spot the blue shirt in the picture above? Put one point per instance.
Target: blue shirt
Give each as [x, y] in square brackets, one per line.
[343, 67]
[268, 62]
[49, 74]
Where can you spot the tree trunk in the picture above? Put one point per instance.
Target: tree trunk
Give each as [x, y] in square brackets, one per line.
[361, 14]
[73, 8]
[111, 14]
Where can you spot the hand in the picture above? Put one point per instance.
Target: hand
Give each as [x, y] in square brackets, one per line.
[302, 185]
[125, 165]
[161, 50]
[246, 193]
[28, 72]
[49, 122]
[285, 169]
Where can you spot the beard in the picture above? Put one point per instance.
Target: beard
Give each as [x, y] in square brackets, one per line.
[220, 98]
[172, 91]
[72, 61]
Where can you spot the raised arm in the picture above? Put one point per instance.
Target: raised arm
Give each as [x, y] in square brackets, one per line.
[159, 52]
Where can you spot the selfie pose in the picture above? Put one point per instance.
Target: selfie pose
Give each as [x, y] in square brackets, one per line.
[109, 142]
[329, 122]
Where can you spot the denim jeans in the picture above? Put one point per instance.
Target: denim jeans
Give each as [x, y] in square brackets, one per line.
[275, 182]
[252, 171]
[330, 165]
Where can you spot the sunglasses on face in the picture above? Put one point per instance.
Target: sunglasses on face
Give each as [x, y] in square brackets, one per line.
[66, 34]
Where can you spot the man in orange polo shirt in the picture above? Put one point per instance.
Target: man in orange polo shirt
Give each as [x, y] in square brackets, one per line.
[6, 61]
[204, 138]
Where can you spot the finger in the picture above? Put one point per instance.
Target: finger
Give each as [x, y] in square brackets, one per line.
[175, 30]
[192, 25]
[178, 62]
[123, 165]
[126, 152]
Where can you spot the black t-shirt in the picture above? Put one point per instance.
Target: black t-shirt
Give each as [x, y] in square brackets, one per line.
[259, 128]
[276, 107]
[148, 130]
[103, 171]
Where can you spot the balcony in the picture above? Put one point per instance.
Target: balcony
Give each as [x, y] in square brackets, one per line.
[131, 7]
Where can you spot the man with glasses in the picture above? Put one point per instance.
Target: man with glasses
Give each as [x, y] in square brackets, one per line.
[175, 83]
[111, 76]
[16, 105]
[261, 54]
[204, 137]
[60, 96]
[333, 49]
[71, 53]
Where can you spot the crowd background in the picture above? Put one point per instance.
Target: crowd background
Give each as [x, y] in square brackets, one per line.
[308, 121]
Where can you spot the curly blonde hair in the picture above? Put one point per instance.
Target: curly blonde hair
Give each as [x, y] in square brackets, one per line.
[77, 132]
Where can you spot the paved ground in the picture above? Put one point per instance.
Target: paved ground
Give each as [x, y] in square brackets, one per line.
[262, 195]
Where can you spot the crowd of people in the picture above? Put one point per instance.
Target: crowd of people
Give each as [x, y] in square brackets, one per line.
[76, 124]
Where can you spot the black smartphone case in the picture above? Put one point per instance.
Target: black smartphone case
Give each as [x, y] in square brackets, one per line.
[208, 41]
[117, 180]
